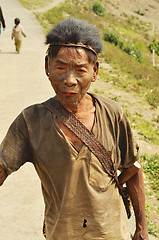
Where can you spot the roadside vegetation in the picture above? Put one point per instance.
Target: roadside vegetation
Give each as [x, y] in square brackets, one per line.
[34, 4]
[151, 169]
[127, 49]
[125, 40]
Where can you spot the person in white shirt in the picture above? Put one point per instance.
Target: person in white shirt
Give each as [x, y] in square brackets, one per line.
[17, 34]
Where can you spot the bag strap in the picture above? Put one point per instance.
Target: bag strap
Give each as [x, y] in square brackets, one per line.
[87, 137]
[82, 133]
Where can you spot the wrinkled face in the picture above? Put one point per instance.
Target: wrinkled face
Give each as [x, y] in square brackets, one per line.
[71, 73]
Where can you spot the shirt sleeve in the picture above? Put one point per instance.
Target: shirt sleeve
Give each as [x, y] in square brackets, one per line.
[15, 149]
[129, 149]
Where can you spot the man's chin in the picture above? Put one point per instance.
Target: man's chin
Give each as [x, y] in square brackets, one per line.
[68, 101]
[68, 98]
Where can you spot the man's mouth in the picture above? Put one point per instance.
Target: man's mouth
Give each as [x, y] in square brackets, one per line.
[69, 93]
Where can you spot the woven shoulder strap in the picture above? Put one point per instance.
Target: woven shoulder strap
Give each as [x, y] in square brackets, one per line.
[82, 133]
[87, 137]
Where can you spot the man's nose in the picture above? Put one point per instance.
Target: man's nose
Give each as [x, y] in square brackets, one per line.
[70, 79]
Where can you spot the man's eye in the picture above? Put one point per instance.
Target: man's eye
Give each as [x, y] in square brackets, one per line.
[82, 70]
[60, 68]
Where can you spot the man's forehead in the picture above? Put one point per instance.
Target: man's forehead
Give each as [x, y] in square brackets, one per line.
[72, 53]
[73, 49]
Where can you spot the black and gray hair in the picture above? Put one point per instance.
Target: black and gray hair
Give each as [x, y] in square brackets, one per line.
[16, 21]
[74, 31]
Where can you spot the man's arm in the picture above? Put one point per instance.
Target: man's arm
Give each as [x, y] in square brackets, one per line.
[137, 194]
[2, 19]
[3, 175]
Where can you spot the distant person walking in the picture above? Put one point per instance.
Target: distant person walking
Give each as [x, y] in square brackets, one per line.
[2, 21]
[17, 34]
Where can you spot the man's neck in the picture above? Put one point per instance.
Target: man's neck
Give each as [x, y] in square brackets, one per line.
[85, 112]
[84, 106]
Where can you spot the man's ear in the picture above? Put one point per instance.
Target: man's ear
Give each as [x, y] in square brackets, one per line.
[95, 71]
[47, 65]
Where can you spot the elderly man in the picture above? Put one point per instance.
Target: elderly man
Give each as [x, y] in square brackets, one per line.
[64, 138]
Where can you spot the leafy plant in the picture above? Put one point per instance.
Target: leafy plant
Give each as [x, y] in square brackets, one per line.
[129, 48]
[112, 37]
[140, 12]
[154, 44]
[98, 8]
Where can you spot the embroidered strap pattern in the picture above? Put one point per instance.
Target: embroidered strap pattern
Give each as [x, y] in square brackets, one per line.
[90, 141]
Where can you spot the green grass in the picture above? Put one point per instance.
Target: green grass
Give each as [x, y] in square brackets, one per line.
[145, 128]
[150, 166]
[152, 227]
[33, 4]
[47, 20]
[98, 91]
[141, 74]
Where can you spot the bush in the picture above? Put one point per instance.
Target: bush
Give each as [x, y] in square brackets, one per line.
[111, 37]
[98, 8]
[129, 48]
[154, 44]
[134, 51]
[140, 12]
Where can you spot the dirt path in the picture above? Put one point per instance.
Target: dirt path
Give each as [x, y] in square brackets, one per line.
[22, 82]
[51, 5]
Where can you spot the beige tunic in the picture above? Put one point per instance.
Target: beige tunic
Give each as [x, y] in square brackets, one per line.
[81, 201]
[18, 32]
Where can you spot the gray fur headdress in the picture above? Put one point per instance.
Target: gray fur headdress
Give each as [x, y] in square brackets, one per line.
[75, 32]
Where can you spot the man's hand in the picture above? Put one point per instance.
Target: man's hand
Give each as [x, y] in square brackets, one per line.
[140, 235]
[137, 195]
[3, 175]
